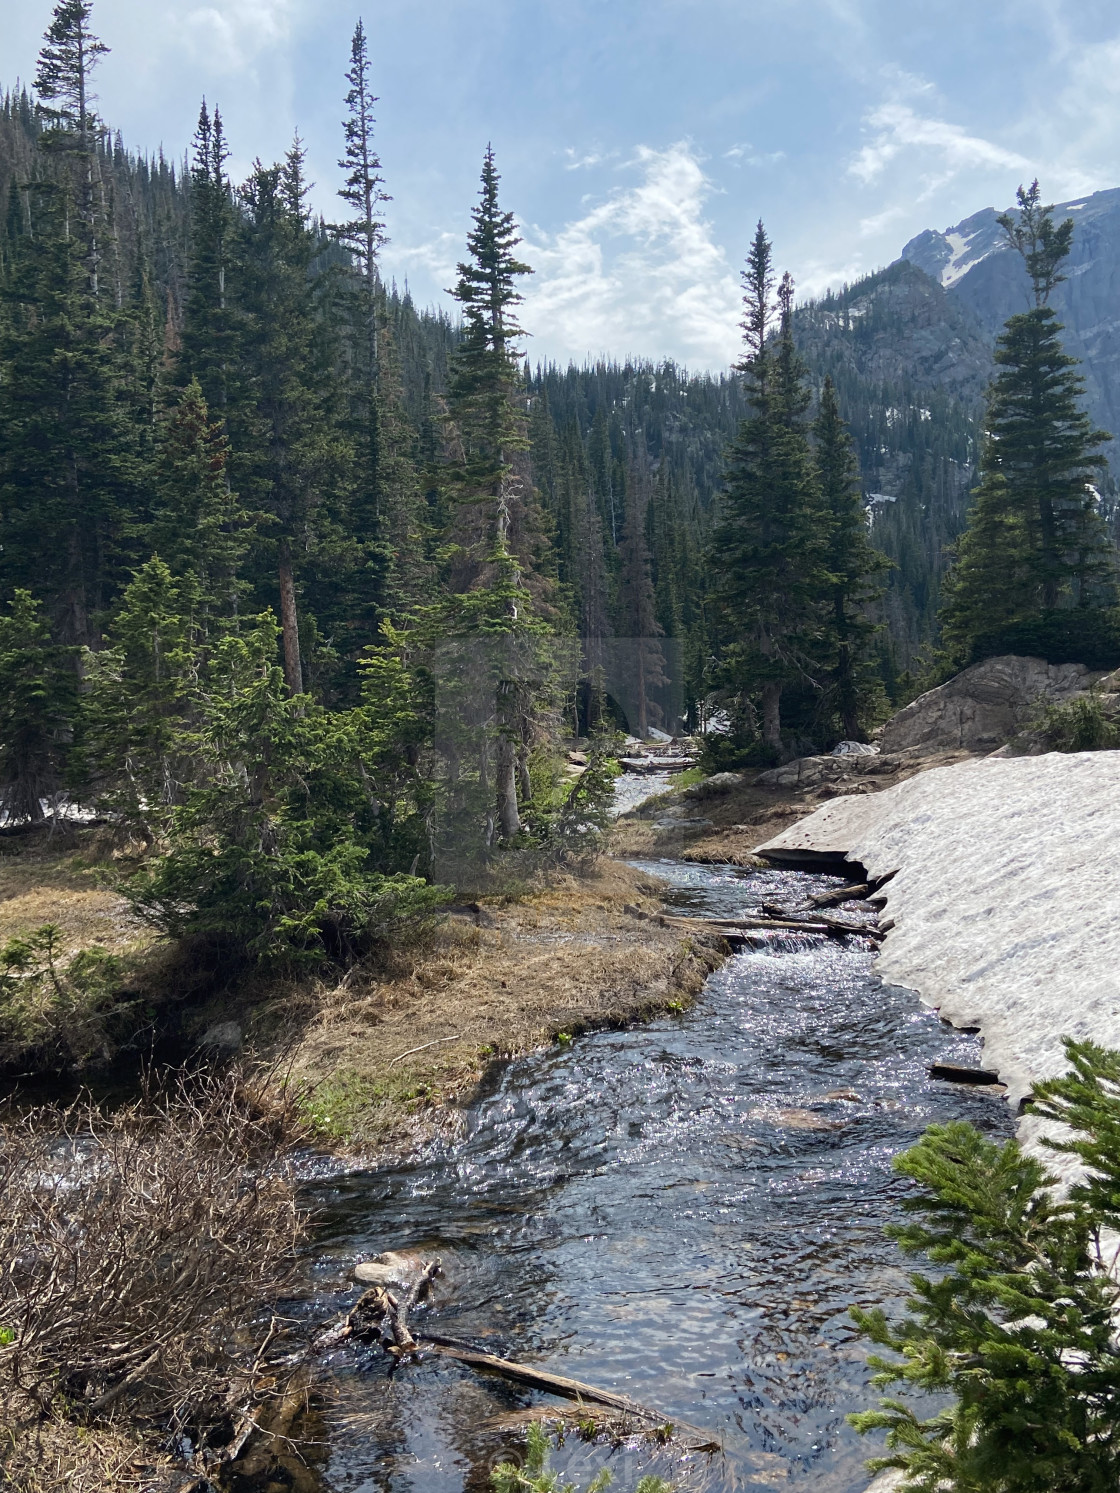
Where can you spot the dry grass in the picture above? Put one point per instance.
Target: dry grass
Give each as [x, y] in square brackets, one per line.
[57, 1456]
[577, 953]
[62, 879]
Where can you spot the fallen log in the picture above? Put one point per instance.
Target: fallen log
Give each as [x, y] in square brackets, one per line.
[841, 894]
[559, 1384]
[378, 1315]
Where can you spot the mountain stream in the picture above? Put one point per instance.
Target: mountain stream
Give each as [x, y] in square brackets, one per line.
[682, 1213]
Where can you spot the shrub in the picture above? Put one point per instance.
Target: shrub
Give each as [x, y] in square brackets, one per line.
[142, 1252]
[62, 1009]
[536, 1476]
[1080, 725]
[1018, 1324]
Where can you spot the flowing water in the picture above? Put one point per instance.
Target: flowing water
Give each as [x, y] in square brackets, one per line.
[683, 1212]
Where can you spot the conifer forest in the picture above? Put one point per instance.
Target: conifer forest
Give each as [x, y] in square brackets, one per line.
[257, 505]
[336, 631]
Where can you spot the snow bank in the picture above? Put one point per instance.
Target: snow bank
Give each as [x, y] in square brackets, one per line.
[1006, 904]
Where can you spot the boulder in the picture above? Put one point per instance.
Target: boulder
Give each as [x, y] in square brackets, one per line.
[855, 749]
[983, 707]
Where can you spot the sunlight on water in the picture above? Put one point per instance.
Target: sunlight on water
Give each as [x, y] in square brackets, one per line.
[683, 1212]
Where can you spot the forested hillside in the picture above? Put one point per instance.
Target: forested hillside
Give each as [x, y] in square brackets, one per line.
[304, 583]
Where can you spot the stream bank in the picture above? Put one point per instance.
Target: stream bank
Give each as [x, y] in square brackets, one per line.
[682, 1212]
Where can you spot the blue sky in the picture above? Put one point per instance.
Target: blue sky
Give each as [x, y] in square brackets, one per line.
[639, 142]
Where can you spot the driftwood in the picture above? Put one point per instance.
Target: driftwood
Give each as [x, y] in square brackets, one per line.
[379, 1316]
[819, 923]
[841, 894]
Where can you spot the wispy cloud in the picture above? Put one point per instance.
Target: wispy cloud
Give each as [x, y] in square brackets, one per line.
[746, 155]
[640, 272]
[231, 34]
[944, 148]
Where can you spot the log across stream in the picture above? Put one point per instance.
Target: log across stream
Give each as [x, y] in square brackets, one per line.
[680, 1214]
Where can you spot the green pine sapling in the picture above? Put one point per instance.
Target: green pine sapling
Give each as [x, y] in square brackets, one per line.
[1018, 1324]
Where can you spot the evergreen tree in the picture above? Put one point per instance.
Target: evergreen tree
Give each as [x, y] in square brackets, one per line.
[197, 524]
[1017, 1321]
[637, 611]
[69, 448]
[1036, 497]
[63, 82]
[767, 545]
[38, 706]
[854, 566]
[141, 700]
[291, 459]
[208, 338]
[493, 600]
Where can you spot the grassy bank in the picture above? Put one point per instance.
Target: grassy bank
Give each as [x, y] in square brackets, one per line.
[385, 1053]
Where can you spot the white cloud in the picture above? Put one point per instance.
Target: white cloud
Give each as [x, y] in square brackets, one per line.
[231, 34]
[639, 273]
[898, 128]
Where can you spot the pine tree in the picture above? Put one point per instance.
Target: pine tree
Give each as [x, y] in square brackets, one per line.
[208, 339]
[637, 611]
[363, 193]
[291, 459]
[197, 524]
[141, 700]
[493, 599]
[69, 449]
[767, 545]
[63, 82]
[1035, 541]
[854, 566]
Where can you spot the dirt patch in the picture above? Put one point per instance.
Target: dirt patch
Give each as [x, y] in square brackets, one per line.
[392, 1060]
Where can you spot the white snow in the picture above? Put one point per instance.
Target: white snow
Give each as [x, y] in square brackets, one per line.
[1006, 900]
[961, 259]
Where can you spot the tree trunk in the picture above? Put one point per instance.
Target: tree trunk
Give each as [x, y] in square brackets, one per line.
[771, 717]
[506, 783]
[524, 781]
[643, 703]
[289, 622]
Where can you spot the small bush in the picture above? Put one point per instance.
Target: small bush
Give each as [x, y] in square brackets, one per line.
[63, 1010]
[1079, 726]
[143, 1252]
[536, 1476]
[1018, 1324]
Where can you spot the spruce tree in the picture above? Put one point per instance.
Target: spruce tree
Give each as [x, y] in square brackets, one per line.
[487, 487]
[291, 458]
[1035, 541]
[63, 82]
[855, 568]
[141, 702]
[197, 524]
[767, 545]
[638, 622]
[70, 460]
[208, 339]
